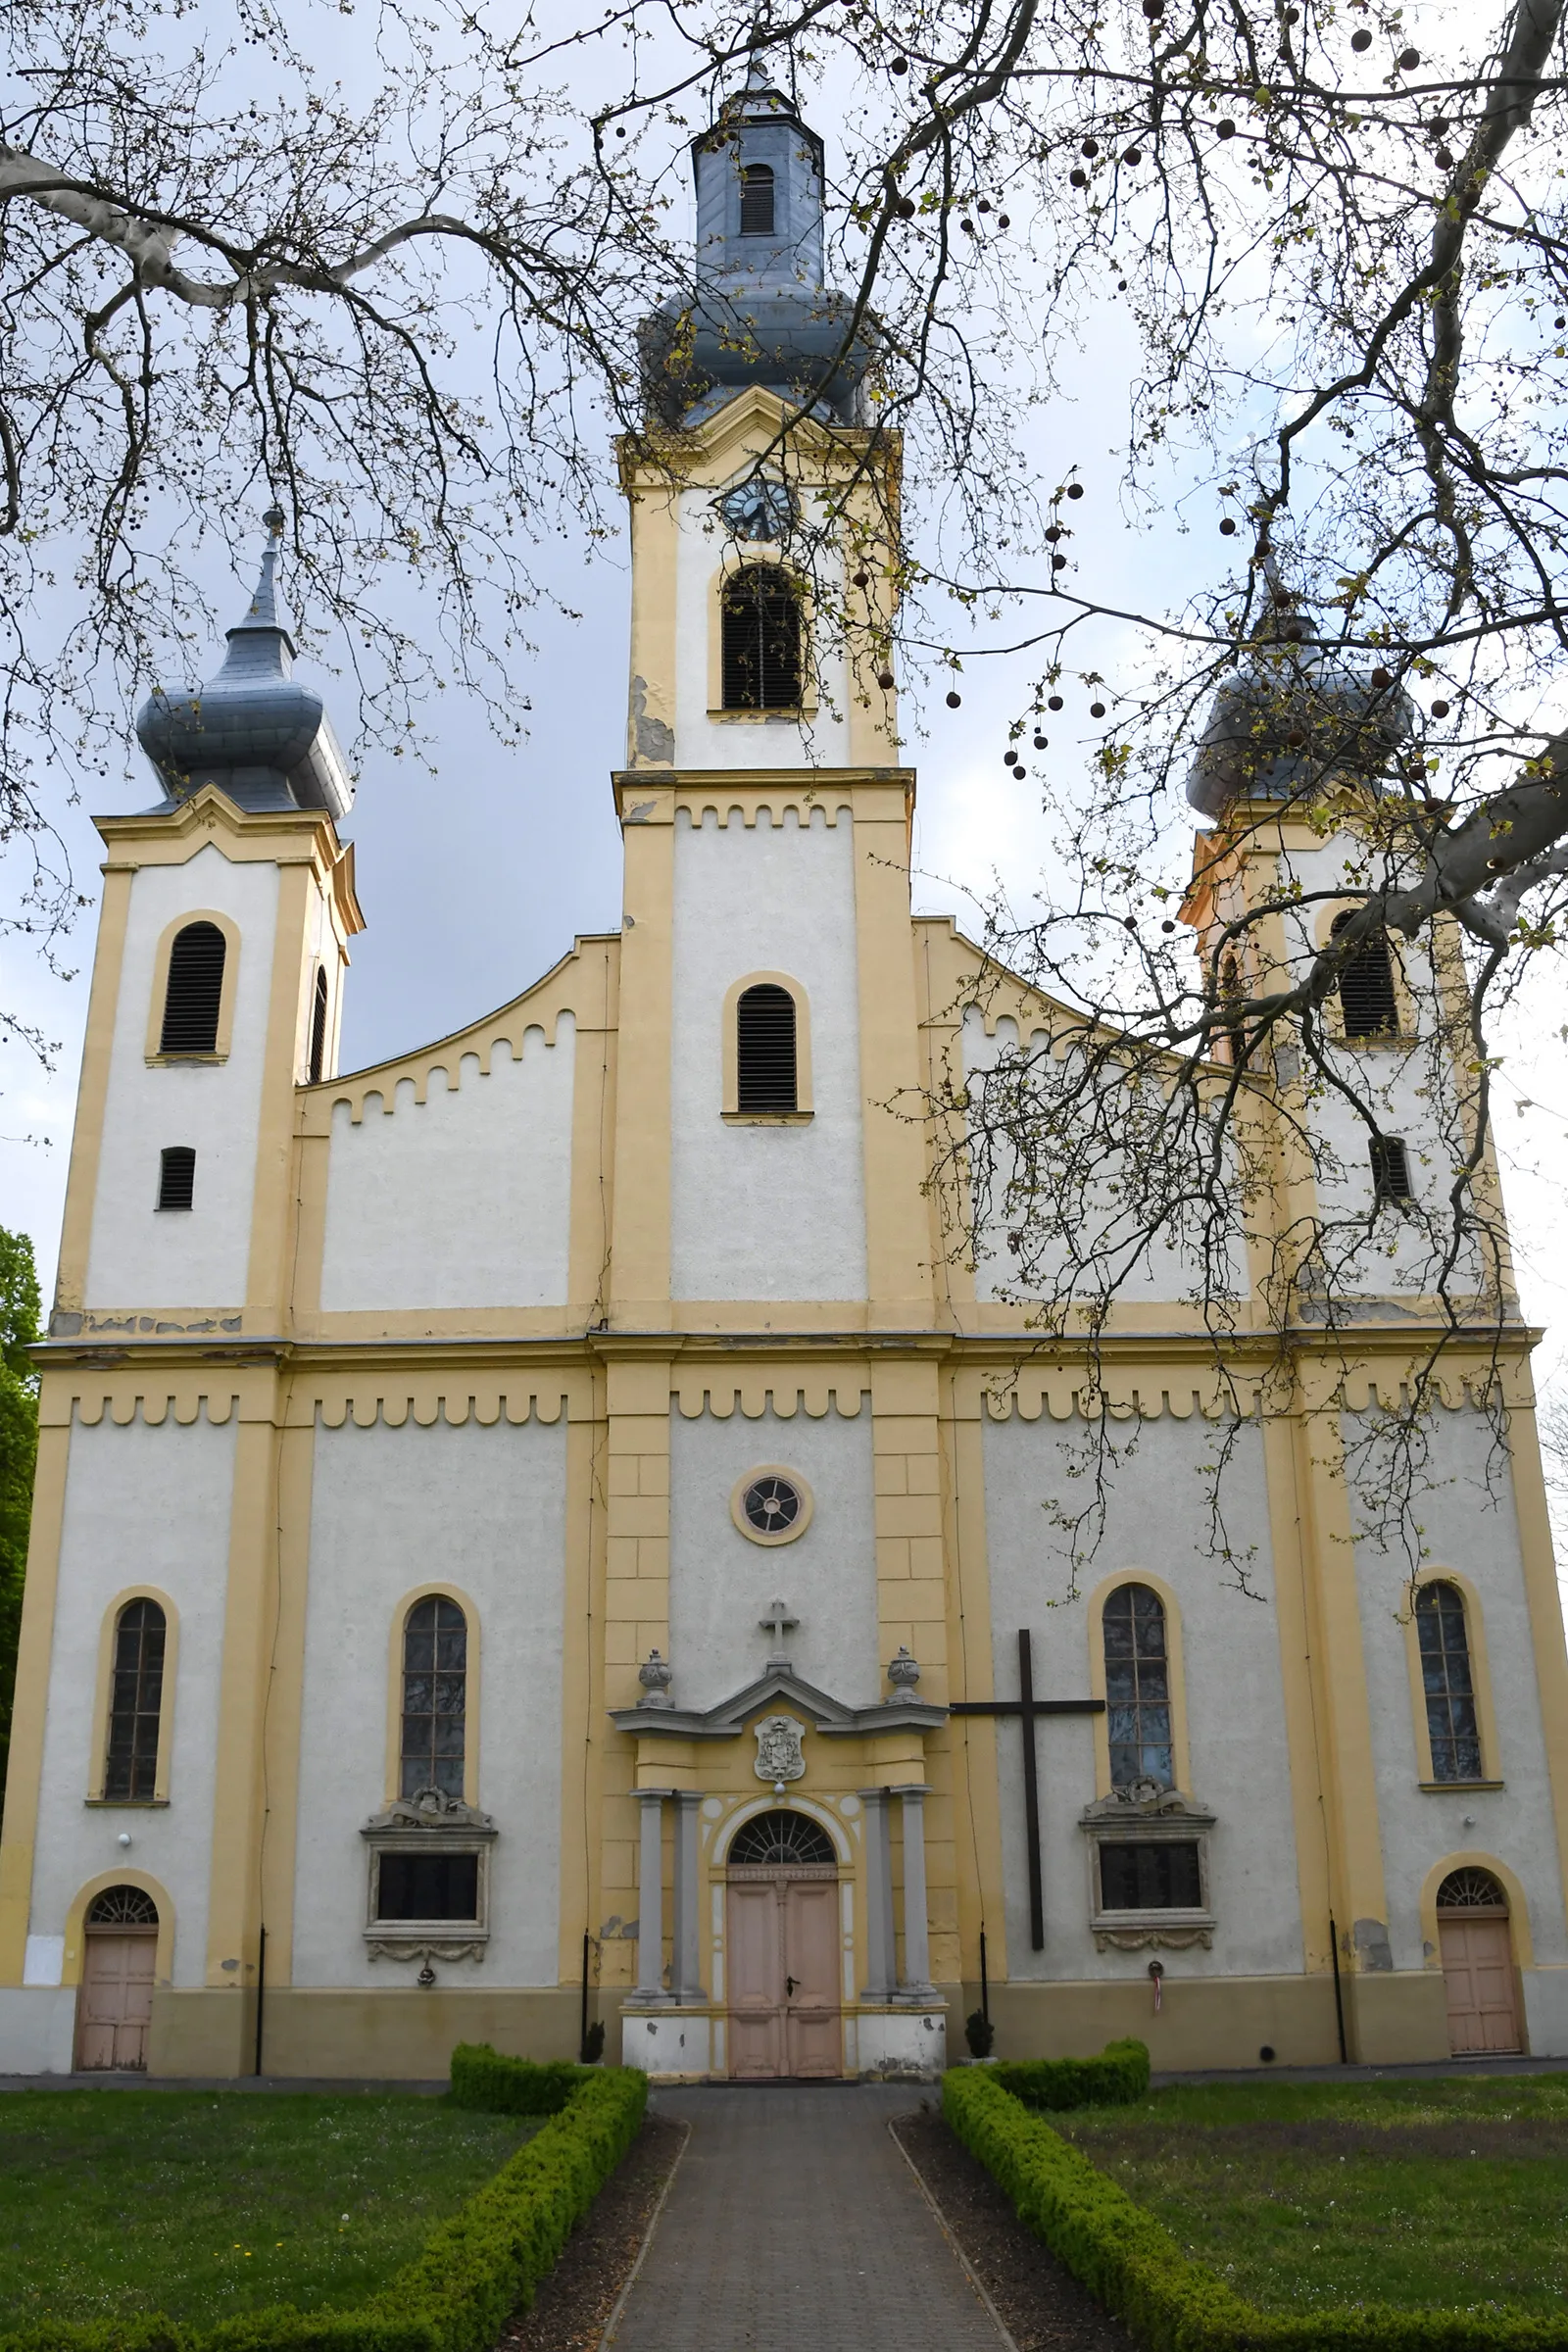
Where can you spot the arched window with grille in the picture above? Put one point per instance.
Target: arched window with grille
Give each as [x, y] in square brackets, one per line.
[136, 1702]
[760, 640]
[1448, 1683]
[756, 200]
[193, 994]
[436, 1697]
[318, 1064]
[1368, 1005]
[1138, 1688]
[765, 1058]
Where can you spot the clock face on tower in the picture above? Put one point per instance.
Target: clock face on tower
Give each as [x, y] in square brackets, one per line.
[759, 510]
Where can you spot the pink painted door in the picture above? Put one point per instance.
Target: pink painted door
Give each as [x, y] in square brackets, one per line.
[756, 1969]
[1478, 1972]
[115, 2002]
[813, 2041]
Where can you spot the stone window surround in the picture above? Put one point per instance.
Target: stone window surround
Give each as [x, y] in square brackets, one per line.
[1147, 1815]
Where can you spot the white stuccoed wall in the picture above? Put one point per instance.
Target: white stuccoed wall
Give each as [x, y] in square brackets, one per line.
[462, 1200]
[179, 1259]
[120, 1529]
[393, 1509]
[766, 1212]
[1235, 1695]
[763, 742]
[1468, 1524]
[721, 1583]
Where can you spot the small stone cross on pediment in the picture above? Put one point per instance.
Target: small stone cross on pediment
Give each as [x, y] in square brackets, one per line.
[779, 1622]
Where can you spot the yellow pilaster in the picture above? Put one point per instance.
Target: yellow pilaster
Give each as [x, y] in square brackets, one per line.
[640, 1228]
[897, 1242]
[25, 1774]
[92, 1093]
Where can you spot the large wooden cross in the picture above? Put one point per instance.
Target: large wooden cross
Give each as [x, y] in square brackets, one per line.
[1028, 1707]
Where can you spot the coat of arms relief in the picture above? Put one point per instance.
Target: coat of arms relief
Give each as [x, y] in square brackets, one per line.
[778, 1749]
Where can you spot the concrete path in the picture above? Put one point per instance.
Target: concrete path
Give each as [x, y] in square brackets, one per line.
[794, 2225]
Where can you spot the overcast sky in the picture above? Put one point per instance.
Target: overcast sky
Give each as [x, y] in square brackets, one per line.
[474, 872]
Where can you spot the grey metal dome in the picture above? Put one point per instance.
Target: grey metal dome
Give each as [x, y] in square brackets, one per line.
[1293, 720]
[762, 313]
[255, 731]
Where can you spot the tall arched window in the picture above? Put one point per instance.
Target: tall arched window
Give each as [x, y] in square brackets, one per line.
[194, 993]
[1368, 1005]
[136, 1701]
[756, 200]
[435, 1688]
[761, 631]
[1448, 1683]
[1137, 1687]
[765, 1049]
[318, 1029]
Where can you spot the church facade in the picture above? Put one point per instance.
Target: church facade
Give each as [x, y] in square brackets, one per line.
[548, 1531]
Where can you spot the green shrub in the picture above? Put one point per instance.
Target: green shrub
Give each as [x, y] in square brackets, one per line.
[476, 2268]
[481, 2077]
[1171, 2304]
[1117, 2077]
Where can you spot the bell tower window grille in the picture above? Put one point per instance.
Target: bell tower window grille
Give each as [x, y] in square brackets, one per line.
[756, 200]
[318, 1029]
[761, 649]
[177, 1177]
[435, 1688]
[1391, 1169]
[764, 1050]
[135, 1704]
[194, 993]
[1368, 1005]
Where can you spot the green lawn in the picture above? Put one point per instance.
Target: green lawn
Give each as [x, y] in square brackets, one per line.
[201, 2204]
[1413, 2194]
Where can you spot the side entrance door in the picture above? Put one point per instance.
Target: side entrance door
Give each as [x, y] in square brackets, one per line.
[115, 2005]
[785, 2016]
[1478, 1972]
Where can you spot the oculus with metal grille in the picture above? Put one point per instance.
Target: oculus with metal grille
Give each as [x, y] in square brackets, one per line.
[194, 995]
[760, 640]
[777, 1841]
[771, 1504]
[766, 1059]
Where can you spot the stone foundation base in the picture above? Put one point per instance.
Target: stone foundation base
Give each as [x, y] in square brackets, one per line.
[691, 2044]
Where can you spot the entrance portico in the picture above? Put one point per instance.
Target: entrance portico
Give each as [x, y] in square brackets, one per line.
[784, 1954]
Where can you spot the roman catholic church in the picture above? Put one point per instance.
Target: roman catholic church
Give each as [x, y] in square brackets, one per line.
[547, 1531]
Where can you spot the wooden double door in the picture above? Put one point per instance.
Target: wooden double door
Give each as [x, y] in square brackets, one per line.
[1478, 1973]
[782, 1947]
[115, 2005]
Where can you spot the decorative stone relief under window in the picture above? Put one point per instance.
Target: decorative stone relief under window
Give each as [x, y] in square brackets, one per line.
[1149, 1869]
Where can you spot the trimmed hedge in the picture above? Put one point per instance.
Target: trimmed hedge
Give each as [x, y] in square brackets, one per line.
[481, 2077]
[476, 2268]
[1137, 2269]
[1117, 2077]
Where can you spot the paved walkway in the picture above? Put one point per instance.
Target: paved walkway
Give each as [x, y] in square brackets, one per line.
[794, 2225]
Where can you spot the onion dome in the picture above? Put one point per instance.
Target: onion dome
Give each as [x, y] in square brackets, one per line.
[761, 312]
[255, 731]
[1294, 719]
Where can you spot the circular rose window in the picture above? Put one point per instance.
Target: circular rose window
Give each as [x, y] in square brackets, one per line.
[771, 1505]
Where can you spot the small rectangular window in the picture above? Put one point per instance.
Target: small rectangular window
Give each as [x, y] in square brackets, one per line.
[1149, 1878]
[428, 1887]
[1391, 1169]
[177, 1178]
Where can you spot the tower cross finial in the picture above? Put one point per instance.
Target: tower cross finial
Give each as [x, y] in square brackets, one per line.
[779, 1622]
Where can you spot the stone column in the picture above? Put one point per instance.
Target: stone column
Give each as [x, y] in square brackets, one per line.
[686, 1969]
[916, 1983]
[651, 1897]
[879, 1944]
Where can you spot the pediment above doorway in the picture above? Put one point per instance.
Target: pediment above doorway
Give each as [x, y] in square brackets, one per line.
[732, 1716]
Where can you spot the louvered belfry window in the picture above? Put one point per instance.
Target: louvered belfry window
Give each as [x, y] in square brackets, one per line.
[756, 200]
[1390, 1168]
[436, 1687]
[762, 640]
[195, 991]
[765, 1049]
[1367, 1000]
[319, 1030]
[136, 1702]
[177, 1177]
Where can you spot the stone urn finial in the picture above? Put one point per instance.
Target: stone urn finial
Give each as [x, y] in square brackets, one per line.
[904, 1672]
[656, 1674]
